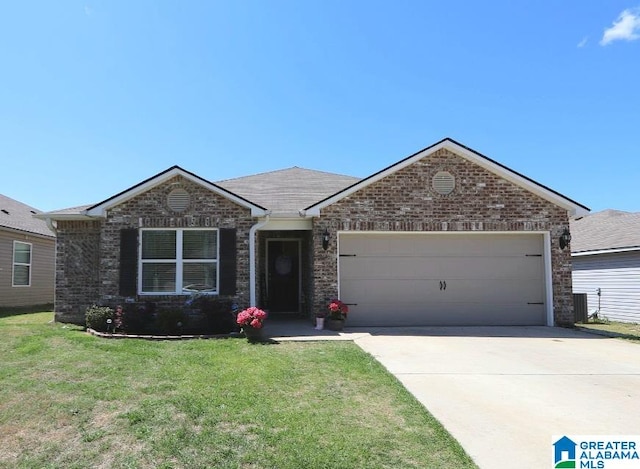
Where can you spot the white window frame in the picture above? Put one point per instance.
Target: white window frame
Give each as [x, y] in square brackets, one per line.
[179, 262]
[28, 264]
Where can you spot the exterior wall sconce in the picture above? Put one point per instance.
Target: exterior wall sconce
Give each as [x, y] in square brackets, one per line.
[325, 239]
[565, 238]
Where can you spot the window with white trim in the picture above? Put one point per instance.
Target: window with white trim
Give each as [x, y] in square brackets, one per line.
[178, 261]
[21, 264]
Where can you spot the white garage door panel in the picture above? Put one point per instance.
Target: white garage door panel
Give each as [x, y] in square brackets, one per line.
[488, 290]
[380, 291]
[444, 244]
[448, 314]
[442, 279]
[441, 267]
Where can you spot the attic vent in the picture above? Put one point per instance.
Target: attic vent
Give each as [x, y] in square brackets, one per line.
[5, 211]
[444, 182]
[178, 200]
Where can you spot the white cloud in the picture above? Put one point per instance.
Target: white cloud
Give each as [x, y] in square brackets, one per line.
[88, 11]
[583, 42]
[626, 27]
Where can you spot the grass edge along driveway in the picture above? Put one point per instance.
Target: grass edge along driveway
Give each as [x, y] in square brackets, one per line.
[68, 399]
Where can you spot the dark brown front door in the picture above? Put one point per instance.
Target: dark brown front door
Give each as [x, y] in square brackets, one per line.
[283, 275]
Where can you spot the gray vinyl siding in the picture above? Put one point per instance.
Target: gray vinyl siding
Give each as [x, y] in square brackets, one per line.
[618, 277]
[42, 270]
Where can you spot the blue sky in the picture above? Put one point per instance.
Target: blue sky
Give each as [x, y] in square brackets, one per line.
[97, 96]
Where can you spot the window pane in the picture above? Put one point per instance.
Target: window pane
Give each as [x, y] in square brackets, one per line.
[159, 277]
[21, 275]
[159, 244]
[199, 244]
[199, 276]
[22, 253]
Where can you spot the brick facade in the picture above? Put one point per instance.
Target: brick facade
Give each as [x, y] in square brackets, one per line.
[77, 269]
[89, 252]
[405, 201]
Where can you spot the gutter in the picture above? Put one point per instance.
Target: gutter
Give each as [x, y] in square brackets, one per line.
[605, 251]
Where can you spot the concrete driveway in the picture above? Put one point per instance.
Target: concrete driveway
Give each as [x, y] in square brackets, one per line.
[503, 392]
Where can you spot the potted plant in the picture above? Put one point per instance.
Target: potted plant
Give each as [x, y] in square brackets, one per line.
[337, 314]
[252, 320]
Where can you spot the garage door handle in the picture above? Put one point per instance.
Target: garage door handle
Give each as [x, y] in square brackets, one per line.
[440, 285]
[534, 303]
[445, 284]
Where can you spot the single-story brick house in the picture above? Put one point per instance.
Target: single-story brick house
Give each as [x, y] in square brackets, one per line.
[445, 236]
[605, 255]
[27, 256]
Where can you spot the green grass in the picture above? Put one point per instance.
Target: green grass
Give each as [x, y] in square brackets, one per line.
[68, 399]
[625, 330]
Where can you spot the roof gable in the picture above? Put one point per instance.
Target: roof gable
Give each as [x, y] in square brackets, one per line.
[18, 216]
[572, 207]
[99, 209]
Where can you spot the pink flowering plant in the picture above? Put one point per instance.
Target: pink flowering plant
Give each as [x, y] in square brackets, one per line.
[337, 309]
[252, 316]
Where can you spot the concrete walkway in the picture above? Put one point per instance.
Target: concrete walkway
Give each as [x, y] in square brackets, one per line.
[504, 392]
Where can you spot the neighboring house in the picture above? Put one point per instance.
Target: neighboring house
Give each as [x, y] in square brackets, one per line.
[445, 236]
[605, 251]
[27, 256]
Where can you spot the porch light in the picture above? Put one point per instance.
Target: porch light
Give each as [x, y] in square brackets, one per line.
[565, 238]
[325, 239]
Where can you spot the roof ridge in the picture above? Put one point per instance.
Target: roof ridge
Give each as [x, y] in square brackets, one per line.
[264, 173]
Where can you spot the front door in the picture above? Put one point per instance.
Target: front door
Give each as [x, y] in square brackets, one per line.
[283, 275]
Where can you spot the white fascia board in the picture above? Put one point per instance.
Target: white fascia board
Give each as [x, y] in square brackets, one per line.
[64, 216]
[27, 233]
[572, 209]
[100, 209]
[605, 251]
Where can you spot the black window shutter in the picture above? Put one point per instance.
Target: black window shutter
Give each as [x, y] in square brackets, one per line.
[227, 261]
[128, 261]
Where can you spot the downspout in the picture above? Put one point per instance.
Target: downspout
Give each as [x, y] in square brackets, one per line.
[51, 226]
[252, 259]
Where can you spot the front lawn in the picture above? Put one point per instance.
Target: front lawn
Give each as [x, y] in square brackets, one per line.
[625, 330]
[68, 399]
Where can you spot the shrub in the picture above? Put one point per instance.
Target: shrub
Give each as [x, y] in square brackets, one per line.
[219, 315]
[138, 317]
[96, 318]
[170, 321]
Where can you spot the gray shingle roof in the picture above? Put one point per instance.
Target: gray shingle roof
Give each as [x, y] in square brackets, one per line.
[609, 229]
[71, 210]
[288, 190]
[19, 216]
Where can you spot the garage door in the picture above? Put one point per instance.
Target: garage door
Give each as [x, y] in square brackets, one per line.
[442, 279]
